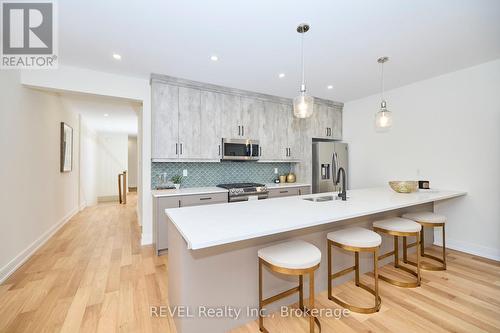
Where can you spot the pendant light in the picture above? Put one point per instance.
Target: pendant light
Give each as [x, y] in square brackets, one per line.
[383, 118]
[303, 104]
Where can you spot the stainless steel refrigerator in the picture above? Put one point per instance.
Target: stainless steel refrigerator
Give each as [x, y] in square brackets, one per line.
[327, 158]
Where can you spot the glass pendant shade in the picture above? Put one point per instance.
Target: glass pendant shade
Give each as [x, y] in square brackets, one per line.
[383, 118]
[303, 106]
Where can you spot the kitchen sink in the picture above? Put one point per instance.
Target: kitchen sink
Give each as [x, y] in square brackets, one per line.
[323, 199]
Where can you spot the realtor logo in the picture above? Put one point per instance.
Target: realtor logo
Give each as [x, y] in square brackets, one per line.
[28, 35]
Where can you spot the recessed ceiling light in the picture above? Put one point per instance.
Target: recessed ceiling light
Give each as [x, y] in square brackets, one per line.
[106, 115]
[329, 87]
[117, 56]
[281, 75]
[214, 58]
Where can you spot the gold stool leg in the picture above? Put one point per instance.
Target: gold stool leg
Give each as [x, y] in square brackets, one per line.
[444, 250]
[378, 301]
[419, 248]
[356, 265]
[396, 252]
[422, 245]
[311, 302]
[405, 250]
[329, 280]
[261, 319]
[301, 291]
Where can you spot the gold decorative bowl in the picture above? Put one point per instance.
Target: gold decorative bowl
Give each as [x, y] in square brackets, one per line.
[408, 186]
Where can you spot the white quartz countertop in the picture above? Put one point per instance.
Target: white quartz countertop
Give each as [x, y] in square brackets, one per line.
[285, 185]
[211, 225]
[187, 191]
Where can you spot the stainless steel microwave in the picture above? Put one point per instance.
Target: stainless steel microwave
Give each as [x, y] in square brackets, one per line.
[240, 150]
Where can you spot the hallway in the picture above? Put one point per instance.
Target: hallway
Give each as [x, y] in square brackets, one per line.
[91, 276]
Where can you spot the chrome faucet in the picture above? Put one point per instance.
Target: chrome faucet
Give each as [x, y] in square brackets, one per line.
[342, 194]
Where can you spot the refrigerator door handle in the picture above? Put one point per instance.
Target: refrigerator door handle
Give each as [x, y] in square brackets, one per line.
[334, 170]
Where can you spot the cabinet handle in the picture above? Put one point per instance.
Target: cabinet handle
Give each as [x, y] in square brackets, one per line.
[242, 130]
[260, 151]
[239, 130]
[219, 150]
[207, 198]
[181, 148]
[180, 203]
[290, 152]
[330, 129]
[176, 149]
[283, 191]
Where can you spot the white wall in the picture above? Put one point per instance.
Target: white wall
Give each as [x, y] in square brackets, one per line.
[36, 198]
[446, 130]
[82, 80]
[132, 161]
[112, 159]
[88, 165]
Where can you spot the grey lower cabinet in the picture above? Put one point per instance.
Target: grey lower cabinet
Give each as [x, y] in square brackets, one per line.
[289, 191]
[160, 222]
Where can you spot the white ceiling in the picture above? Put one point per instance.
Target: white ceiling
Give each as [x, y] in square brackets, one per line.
[122, 114]
[256, 40]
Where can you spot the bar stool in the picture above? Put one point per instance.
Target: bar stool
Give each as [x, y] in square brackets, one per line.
[396, 227]
[290, 258]
[432, 220]
[355, 240]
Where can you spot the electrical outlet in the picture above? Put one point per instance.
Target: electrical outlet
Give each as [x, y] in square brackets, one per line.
[276, 171]
[185, 172]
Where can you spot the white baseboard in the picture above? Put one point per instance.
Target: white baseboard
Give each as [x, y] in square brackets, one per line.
[475, 249]
[22, 257]
[146, 239]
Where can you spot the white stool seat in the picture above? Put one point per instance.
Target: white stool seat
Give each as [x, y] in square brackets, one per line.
[398, 224]
[355, 237]
[295, 254]
[426, 217]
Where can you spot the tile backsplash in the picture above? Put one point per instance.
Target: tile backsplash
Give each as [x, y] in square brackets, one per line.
[213, 173]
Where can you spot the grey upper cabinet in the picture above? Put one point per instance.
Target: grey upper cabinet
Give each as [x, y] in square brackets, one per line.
[165, 121]
[189, 123]
[251, 110]
[211, 130]
[279, 133]
[189, 120]
[230, 122]
[294, 134]
[335, 114]
[326, 122]
[269, 135]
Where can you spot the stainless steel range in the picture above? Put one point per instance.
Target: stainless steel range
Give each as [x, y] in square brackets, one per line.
[245, 191]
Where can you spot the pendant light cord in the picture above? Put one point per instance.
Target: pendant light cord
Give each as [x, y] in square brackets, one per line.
[382, 81]
[302, 58]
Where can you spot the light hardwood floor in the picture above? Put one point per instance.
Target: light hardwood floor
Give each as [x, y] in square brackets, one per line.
[93, 276]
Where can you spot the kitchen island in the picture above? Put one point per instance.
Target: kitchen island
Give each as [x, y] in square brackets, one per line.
[213, 249]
